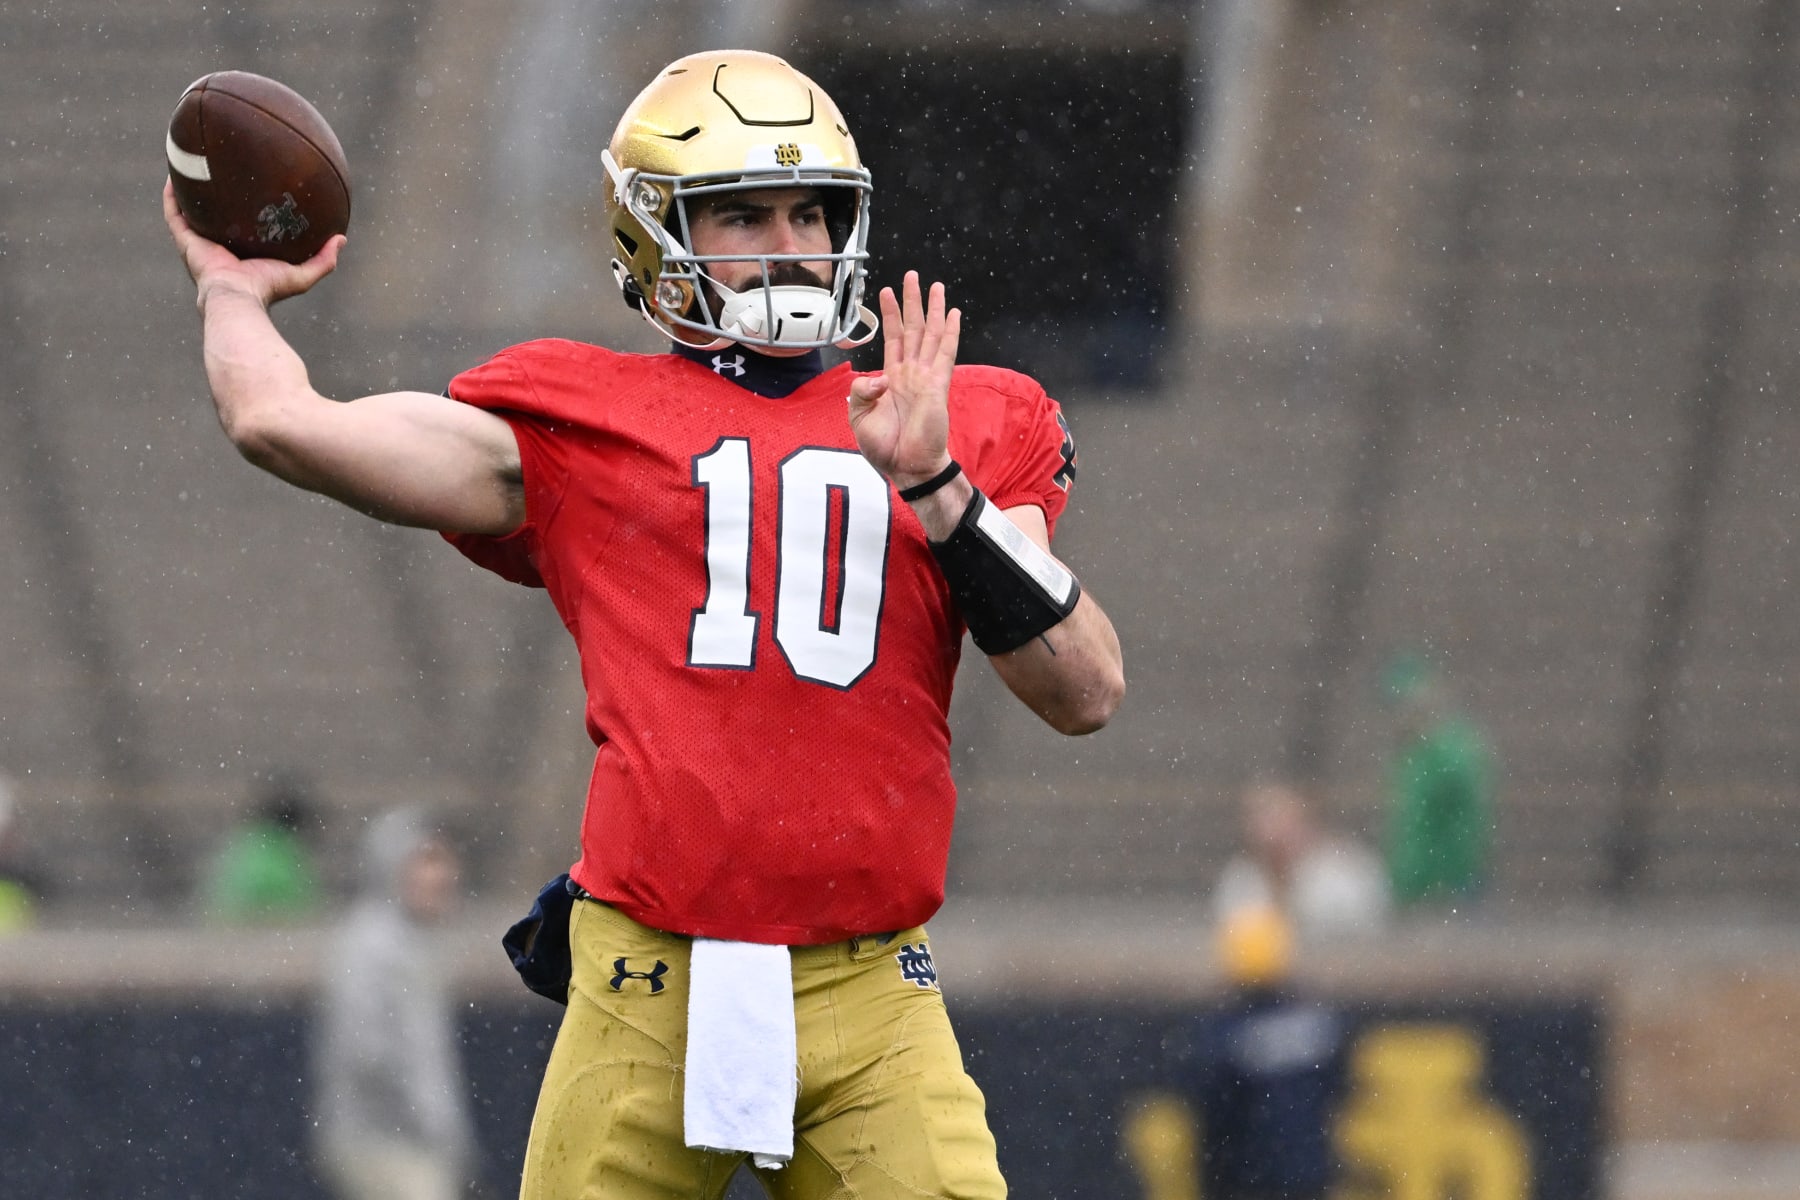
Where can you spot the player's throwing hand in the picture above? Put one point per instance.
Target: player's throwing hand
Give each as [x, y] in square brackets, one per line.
[266, 279]
[901, 417]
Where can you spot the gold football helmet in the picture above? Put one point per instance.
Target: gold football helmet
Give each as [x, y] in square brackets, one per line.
[725, 121]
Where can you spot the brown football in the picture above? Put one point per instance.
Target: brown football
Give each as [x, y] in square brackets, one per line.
[256, 168]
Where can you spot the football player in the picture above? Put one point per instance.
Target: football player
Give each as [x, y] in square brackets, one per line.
[768, 567]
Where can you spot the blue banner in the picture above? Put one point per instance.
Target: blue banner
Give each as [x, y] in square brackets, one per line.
[1474, 1100]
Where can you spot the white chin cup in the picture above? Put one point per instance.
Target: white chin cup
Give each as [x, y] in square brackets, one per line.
[802, 315]
[802, 320]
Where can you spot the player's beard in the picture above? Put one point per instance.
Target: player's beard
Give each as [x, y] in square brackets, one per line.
[780, 274]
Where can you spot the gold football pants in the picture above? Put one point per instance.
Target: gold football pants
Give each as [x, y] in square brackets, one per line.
[885, 1109]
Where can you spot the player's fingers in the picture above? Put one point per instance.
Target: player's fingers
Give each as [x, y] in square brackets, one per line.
[947, 345]
[893, 344]
[172, 211]
[865, 396]
[302, 277]
[326, 260]
[913, 309]
[933, 325]
[190, 247]
[866, 389]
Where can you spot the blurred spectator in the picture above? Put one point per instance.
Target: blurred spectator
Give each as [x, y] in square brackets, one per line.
[264, 872]
[1261, 1081]
[392, 1100]
[1440, 791]
[1326, 883]
[22, 885]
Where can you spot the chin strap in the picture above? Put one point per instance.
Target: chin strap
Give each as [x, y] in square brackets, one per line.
[864, 316]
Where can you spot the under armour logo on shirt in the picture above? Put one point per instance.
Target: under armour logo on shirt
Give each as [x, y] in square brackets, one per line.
[735, 366]
[653, 976]
[915, 964]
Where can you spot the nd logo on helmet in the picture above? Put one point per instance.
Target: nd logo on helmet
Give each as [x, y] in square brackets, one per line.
[788, 154]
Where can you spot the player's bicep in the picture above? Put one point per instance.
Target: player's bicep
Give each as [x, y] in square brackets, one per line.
[410, 458]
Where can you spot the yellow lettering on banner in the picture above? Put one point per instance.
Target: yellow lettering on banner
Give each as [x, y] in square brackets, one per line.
[1158, 1135]
[788, 154]
[1417, 1127]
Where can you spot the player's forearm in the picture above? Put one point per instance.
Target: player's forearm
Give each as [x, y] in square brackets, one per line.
[1064, 662]
[258, 382]
[1073, 674]
[939, 512]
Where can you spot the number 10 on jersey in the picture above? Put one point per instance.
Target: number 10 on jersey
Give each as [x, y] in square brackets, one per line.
[830, 562]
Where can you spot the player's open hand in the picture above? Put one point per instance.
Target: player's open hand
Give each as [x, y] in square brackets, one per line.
[267, 279]
[901, 417]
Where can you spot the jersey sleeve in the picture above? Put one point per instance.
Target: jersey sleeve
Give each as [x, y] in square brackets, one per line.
[1013, 440]
[507, 386]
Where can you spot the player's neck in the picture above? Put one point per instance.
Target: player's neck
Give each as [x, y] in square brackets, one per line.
[763, 374]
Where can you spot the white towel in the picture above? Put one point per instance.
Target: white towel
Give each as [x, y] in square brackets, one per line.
[742, 1057]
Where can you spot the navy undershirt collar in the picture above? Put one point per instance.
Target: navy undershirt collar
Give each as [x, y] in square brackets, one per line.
[763, 374]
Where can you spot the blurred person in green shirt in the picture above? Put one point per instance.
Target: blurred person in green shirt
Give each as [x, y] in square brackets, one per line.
[264, 872]
[22, 885]
[1440, 791]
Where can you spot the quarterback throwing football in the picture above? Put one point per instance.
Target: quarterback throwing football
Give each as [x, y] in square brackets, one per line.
[768, 567]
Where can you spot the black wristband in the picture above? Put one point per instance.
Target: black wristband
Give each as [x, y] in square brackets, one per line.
[1007, 588]
[919, 491]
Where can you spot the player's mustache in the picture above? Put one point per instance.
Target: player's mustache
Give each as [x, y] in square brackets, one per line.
[788, 274]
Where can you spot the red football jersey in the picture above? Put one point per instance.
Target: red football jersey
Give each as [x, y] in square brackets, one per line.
[767, 645]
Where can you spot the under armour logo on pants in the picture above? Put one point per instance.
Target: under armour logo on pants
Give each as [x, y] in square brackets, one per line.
[653, 976]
